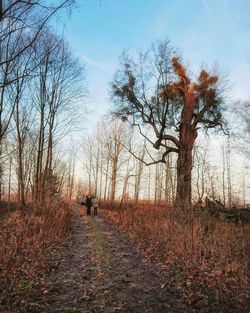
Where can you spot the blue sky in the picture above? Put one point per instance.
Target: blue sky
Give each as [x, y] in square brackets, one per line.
[205, 31]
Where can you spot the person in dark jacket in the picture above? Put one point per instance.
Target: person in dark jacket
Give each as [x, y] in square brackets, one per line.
[88, 205]
[83, 200]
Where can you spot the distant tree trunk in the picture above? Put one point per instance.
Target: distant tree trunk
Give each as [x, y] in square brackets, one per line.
[243, 188]
[124, 190]
[41, 139]
[113, 178]
[97, 168]
[9, 187]
[106, 180]
[223, 176]
[149, 184]
[167, 185]
[101, 175]
[156, 183]
[71, 175]
[21, 183]
[229, 180]
[47, 172]
[138, 181]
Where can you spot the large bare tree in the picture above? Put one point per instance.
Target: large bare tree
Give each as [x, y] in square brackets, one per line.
[156, 94]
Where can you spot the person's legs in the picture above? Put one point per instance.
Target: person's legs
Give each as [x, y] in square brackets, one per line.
[95, 211]
[88, 210]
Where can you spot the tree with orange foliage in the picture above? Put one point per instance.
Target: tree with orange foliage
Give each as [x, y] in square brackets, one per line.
[156, 94]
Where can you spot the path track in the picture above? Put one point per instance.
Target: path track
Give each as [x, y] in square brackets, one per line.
[99, 271]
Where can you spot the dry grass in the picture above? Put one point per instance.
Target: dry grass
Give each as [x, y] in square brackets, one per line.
[205, 258]
[25, 241]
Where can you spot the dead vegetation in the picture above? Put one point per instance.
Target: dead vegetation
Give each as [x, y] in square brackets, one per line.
[203, 257]
[26, 240]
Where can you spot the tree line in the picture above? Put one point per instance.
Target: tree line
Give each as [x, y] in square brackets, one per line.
[41, 87]
[112, 172]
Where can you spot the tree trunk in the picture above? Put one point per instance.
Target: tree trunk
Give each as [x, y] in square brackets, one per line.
[184, 168]
[138, 181]
[113, 179]
[20, 174]
[106, 180]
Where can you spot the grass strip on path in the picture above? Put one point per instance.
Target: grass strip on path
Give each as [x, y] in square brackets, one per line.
[98, 240]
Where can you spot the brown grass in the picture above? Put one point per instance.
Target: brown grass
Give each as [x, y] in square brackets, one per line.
[26, 240]
[204, 258]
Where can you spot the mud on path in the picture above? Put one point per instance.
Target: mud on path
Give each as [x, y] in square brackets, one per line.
[97, 271]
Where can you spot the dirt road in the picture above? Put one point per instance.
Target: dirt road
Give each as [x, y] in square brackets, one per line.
[98, 271]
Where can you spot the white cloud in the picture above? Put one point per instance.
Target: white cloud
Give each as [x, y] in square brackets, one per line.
[110, 67]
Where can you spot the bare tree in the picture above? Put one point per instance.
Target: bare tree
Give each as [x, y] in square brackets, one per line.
[22, 23]
[115, 138]
[59, 87]
[156, 93]
[242, 133]
[129, 172]
[88, 161]
[71, 171]
[18, 16]
[139, 172]
[200, 168]
[11, 94]
[23, 116]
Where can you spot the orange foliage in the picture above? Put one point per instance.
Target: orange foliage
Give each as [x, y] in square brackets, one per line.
[205, 79]
[180, 71]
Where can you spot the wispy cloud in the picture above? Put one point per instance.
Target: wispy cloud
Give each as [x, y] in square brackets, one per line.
[209, 10]
[110, 67]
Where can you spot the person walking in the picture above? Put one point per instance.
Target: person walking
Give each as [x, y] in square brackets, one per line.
[83, 200]
[88, 205]
[83, 203]
[94, 202]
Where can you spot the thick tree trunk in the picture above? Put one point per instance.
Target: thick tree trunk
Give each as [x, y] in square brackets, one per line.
[184, 168]
[187, 136]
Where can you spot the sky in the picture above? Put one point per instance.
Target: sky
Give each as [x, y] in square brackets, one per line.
[205, 32]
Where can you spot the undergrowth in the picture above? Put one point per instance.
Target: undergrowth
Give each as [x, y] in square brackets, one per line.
[26, 240]
[204, 259]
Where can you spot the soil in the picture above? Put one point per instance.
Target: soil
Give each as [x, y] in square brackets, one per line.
[97, 270]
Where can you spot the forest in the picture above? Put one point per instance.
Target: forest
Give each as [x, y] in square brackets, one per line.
[168, 163]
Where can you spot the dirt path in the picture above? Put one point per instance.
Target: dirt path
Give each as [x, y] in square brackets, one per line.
[98, 271]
